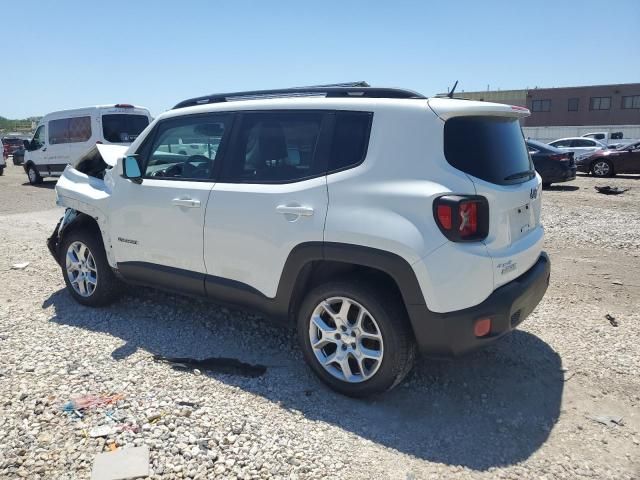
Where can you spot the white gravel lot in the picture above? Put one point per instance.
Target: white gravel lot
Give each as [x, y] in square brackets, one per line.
[522, 408]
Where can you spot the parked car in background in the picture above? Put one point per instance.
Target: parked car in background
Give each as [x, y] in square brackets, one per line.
[607, 163]
[18, 155]
[610, 139]
[580, 146]
[61, 138]
[11, 144]
[553, 165]
[2, 159]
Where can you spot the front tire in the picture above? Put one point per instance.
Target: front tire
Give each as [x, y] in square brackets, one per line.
[85, 268]
[602, 168]
[33, 175]
[355, 337]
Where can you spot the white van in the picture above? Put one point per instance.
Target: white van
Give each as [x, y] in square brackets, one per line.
[63, 137]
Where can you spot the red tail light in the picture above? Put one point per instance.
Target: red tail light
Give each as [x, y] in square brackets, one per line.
[462, 218]
[558, 156]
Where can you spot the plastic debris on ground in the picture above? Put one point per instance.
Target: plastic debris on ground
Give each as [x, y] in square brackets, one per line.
[121, 464]
[229, 366]
[19, 266]
[612, 320]
[608, 420]
[609, 190]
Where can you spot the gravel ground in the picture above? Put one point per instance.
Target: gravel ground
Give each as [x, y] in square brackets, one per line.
[523, 408]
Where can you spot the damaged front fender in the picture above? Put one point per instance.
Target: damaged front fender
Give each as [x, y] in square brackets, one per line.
[87, 190]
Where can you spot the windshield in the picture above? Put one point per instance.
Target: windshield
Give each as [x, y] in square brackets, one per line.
[122, 127]
[489, 148]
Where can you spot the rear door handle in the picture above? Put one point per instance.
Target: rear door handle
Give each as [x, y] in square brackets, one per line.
[186, 202]
[297, 210]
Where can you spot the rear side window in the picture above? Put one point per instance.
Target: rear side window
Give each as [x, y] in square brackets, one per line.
[276, 147]
[122, 127]
[350, 139]
[69, 130]
[490, 148]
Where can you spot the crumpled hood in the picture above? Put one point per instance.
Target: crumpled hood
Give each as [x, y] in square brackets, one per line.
[109, 153]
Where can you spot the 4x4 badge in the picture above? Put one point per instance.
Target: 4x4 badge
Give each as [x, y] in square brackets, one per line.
[533, 193]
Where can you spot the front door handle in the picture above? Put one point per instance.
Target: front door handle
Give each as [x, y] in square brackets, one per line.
[297, 210]
[186, 202]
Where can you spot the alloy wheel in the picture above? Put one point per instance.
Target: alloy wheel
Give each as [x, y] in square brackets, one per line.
[346, 339]
[81, 269]
[601, 169]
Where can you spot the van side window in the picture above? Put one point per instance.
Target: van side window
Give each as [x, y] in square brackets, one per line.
[350, 139]
[276, 147]
[69, 130]
[186, 148]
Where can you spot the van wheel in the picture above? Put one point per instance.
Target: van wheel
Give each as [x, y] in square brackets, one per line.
[602, 168]
[86, 272]
[33, 175]
[356, 338]
[1, 171]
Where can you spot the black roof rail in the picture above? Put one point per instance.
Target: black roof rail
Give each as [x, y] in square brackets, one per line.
[324, 91]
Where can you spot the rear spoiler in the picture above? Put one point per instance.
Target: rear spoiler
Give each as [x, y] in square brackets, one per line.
[447, 108]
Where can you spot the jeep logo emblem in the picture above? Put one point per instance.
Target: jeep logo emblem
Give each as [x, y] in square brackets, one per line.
[533, 193]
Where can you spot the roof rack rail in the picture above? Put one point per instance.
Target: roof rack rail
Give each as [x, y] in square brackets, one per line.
[319, 91]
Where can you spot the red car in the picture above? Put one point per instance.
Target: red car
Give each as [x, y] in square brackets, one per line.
[607, 163]
[11, 144]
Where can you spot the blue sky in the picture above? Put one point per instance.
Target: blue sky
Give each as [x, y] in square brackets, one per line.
[156, 53]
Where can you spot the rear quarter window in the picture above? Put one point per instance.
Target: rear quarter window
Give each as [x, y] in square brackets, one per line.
[489, 148]
[350, 140]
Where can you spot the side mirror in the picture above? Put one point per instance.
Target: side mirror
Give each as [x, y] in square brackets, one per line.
[131, 169]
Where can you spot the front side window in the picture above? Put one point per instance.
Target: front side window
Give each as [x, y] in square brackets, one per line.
[38, 138]
[122, 127]
[186, 148]
[69, 130]
[276, 147]
[632, 101]
[600, 103]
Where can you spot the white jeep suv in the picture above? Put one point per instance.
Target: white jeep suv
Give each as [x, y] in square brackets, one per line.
[378, 221]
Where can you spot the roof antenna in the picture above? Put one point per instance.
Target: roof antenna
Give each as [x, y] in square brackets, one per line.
[450, 94]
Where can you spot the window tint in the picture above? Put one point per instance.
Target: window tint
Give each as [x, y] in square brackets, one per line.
[276, 147]
[69, 130]
[600, 103]
[123, 128]
[573, 104]
[186, 148]
[583, 143]
[489, 148]
[350, 139]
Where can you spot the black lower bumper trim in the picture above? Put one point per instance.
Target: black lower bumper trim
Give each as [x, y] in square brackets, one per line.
[450, 334]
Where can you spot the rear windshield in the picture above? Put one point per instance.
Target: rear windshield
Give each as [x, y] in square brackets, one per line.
[122, 127]
[489, 148]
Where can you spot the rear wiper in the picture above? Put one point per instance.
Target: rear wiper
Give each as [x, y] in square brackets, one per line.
[526, 173]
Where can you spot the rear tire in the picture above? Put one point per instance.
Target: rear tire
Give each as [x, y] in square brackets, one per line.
[348, 336]
[1, 171]
[86, 271]
[33, 175]
[602, 168]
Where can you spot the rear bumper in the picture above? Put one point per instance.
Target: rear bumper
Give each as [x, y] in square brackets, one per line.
[559, 175]
[451, 333]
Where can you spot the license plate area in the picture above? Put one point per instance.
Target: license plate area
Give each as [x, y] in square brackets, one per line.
[522, 221]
